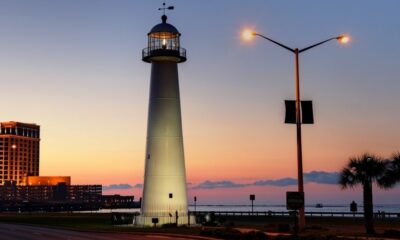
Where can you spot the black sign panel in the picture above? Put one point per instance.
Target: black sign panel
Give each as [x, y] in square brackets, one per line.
[307, 116]
[252, 197]
[290, 116]
[294, 200]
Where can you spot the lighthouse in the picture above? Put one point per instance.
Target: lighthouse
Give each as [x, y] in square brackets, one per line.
[164, 198]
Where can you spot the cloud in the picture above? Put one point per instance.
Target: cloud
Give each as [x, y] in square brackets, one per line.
[218, 184]
[322, 177]
[279, 182]
[117, 187]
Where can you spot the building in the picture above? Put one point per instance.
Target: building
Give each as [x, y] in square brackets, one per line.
[47, 180]
[61, 192]
[21, 187]
[85, 193]
[19, 151]
[164, 190]
[118, 201]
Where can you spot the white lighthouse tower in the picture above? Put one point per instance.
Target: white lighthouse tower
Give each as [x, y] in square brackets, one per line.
[164, 191]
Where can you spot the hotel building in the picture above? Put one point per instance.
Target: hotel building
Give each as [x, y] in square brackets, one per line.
[19, 151]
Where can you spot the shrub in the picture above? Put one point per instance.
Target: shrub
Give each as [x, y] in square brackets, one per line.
[169, 225]
[392, 233]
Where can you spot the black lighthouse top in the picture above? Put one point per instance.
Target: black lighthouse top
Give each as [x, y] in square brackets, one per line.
[164, 27]
[164, 44]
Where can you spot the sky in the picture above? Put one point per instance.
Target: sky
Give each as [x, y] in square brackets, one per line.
[74, 67]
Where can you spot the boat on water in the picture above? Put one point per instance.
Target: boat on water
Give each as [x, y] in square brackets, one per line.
[319, 205]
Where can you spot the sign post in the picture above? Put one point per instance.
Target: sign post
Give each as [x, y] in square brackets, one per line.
[252, 198]
[295, 202]
[353, 208]
[195, 200]
[154, 221]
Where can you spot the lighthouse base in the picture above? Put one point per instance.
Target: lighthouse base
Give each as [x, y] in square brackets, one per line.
[157, 220]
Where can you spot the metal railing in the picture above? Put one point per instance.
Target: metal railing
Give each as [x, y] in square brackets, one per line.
[287, 214]
[168, 51]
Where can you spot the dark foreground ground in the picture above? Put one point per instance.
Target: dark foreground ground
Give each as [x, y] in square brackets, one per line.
[98, 226]
[346, 226]
[23, 232]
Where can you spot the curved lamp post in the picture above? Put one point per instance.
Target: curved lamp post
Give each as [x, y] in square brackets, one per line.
[249, 35]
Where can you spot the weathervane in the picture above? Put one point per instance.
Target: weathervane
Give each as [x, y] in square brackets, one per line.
[166, 8]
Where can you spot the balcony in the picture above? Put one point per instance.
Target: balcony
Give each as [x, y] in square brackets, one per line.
[177, 52]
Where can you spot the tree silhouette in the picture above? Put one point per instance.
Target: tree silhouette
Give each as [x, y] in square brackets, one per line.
[365, 170]
[392, 172]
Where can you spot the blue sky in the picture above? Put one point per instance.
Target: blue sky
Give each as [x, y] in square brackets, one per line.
[74, 67]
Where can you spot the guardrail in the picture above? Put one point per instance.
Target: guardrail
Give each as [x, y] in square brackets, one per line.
[287, 214]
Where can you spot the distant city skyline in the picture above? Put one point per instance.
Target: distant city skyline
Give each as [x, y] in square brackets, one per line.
[74, 68]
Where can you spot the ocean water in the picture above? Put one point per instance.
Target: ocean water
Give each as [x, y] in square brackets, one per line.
[282, 208]
[388, 208]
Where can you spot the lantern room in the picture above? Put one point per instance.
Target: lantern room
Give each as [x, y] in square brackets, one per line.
[164, 44]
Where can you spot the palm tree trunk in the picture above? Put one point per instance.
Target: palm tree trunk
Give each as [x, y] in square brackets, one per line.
[368, 208]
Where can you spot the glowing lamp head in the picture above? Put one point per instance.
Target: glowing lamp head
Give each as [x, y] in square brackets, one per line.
[164, 42]
[343, 39]
[248, 35]
[14, 146]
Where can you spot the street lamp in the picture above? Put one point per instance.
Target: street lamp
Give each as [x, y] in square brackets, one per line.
[343, 39]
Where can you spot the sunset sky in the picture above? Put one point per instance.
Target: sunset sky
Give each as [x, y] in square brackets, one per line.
[74, 67]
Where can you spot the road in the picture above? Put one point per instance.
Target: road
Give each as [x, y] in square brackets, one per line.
[23, 232]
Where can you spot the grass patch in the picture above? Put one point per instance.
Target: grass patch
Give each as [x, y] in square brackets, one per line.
[77, 221]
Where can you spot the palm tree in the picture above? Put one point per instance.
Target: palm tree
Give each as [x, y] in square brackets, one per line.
[365, 170]
[392, 172]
